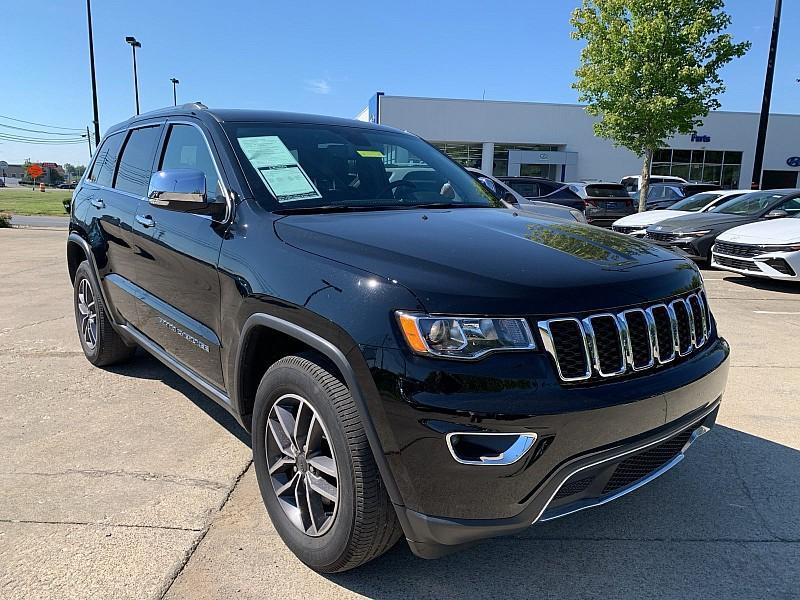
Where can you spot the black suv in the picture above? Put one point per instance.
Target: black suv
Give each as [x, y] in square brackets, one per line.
[411, 357]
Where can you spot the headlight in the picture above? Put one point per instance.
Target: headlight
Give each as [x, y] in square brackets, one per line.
[686, 234]
[789, 248]
[464, 337]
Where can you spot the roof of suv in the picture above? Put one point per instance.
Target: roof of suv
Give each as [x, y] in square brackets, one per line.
[223, 115]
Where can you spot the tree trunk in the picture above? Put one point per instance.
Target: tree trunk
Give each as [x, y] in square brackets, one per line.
[644, 185]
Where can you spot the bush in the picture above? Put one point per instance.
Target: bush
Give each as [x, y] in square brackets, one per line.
[5, 220]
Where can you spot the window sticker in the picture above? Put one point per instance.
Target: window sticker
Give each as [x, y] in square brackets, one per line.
[278, 167]
[370, 153]
[289, 183]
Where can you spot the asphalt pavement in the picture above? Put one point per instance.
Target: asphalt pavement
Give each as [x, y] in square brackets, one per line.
[128, 483]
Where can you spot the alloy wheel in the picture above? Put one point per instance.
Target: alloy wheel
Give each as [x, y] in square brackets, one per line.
[88, 314]
[302, 465]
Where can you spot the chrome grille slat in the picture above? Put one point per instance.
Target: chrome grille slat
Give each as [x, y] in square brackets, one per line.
[610, 344]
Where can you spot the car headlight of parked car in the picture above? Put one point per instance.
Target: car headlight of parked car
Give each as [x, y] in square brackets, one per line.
[464, 337]
[693, 234]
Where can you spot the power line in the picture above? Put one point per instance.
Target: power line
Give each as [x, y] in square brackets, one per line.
[41, 124]
[27, 140]
[34, 130]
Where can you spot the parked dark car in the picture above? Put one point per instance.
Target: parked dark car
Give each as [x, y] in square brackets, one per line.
[543, 209]
[411, 357]
[539, 188]
[664, 195]
[67, 186]
[603, 202]
[693, 235]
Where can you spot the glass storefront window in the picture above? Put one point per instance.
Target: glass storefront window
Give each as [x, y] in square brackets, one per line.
[467, 155]
[722, 167]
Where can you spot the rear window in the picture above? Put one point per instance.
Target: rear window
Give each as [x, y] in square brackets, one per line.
[103, 167]
[606, 191]
[525, 188]
[696, 202]
[136, 161]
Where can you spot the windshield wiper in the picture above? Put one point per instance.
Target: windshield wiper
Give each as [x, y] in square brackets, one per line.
[444, 205]
[334, 208]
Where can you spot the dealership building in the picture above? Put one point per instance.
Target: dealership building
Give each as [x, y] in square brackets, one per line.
[557, 141]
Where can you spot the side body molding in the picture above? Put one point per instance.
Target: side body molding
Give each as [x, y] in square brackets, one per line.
[338, 358]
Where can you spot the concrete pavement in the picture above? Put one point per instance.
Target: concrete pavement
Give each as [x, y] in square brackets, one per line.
[127, 483]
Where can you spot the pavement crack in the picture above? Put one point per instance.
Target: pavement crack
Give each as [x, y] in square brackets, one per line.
[190, 552]
[97, 524]
[141, 475]
[26, 325]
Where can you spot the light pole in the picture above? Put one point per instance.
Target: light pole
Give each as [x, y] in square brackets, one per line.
[134, 45]
[94, 79]
[175, 82]
[758, 160]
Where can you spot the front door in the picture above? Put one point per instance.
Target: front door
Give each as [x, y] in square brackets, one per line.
[177, 266]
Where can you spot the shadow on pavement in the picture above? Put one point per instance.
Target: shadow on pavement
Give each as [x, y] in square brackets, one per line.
[144, 366]
[771, 285]
[724, 523]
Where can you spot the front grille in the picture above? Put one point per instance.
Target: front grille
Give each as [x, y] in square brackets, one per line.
[735, 263]
[612, 344]
[644, 463]
[661, 237]
[625, 230]
[738, 249]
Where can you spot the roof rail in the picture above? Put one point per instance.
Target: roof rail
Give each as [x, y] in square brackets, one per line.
[198, 105]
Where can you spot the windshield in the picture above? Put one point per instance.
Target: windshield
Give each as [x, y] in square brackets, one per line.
[307, 166]
[749, 204]
[694, 203]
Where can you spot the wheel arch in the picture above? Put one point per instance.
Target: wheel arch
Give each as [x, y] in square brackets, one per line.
[298, 339]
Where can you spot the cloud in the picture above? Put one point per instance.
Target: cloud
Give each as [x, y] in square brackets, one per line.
[318, 86]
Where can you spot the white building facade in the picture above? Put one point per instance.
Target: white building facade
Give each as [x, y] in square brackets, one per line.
[557, 141]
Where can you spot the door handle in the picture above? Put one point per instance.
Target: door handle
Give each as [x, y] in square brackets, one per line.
[97, 203]
[145, 220]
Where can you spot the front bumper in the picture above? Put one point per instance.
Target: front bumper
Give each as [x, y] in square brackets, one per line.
[692, 248]
[583, 433]
[775, 265]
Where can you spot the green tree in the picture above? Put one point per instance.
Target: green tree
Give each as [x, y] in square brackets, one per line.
[650, 69]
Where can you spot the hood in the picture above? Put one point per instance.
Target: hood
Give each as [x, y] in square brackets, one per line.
[709, 220]
[778, 231]
[494, 261]
[649, 217]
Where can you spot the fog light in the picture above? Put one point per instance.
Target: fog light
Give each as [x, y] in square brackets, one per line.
[487, 448]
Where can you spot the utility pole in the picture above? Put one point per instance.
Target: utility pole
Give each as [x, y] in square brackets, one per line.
[89, 139]
[175, 82]
[134, 45]
[758, 161]
[94, 79]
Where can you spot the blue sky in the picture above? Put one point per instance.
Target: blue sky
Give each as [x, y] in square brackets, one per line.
[320, 57]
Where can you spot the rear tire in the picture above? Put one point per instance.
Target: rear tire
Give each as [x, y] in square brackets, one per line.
[354, 521]
[101, 344]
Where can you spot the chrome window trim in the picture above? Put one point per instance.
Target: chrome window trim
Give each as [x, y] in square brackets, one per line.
[672, 326]
[592, 343]
[549, 346]
[623, 317]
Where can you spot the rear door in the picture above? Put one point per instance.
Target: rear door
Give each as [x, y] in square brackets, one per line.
[177, 268]
[109, 214]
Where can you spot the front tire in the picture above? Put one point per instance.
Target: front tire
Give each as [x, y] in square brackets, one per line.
[101, 344]
[315, 468]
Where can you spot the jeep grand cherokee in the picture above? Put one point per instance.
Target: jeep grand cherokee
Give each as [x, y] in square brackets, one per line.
[411, 357]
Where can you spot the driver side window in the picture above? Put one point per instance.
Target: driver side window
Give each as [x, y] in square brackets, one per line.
[186, 149]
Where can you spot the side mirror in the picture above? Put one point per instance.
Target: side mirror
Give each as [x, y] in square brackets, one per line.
[510, 198]
[778, 213]
[179, 189]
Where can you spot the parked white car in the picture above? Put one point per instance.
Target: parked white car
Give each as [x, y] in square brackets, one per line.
[637, 223]
[632, 183]
[763, 249]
